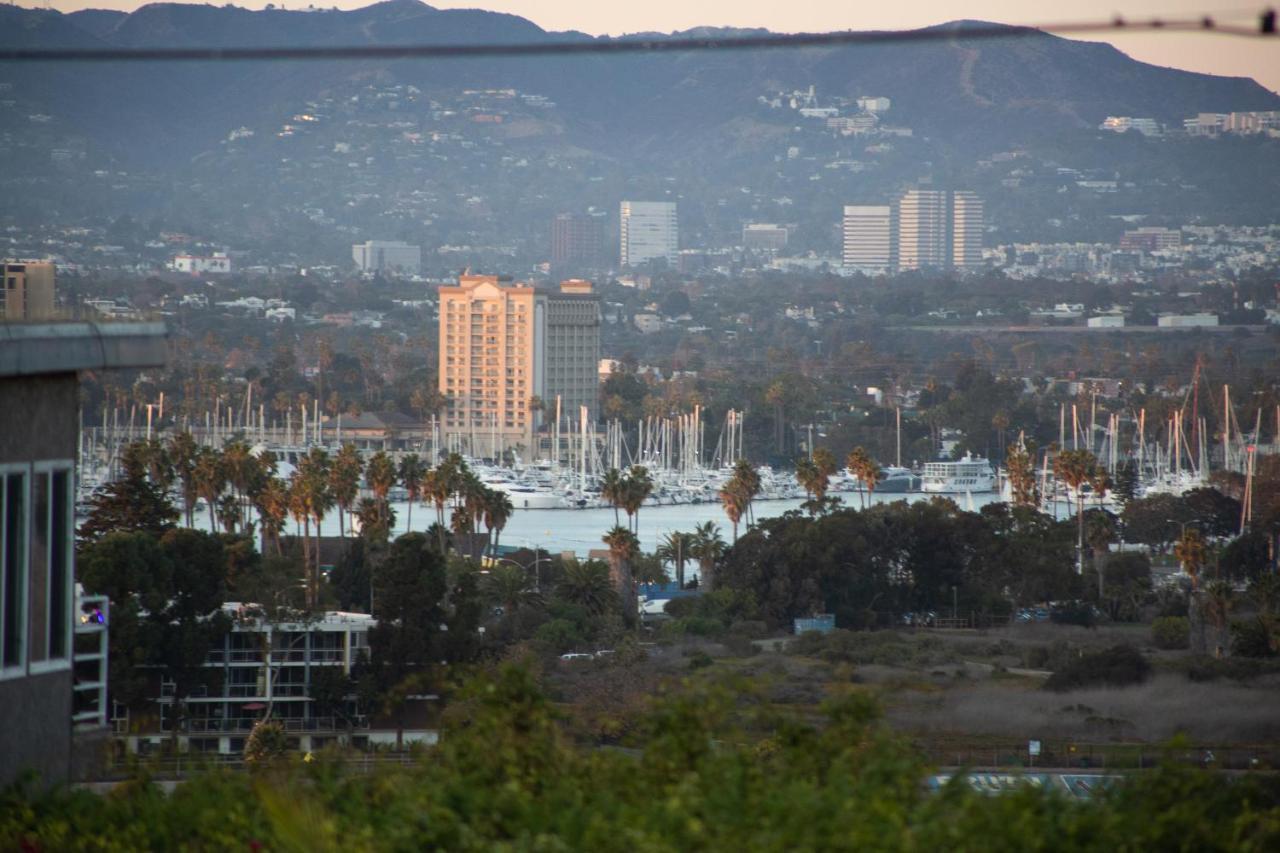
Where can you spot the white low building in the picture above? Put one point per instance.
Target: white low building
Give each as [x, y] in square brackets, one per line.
[219, 263]
[1179, 321]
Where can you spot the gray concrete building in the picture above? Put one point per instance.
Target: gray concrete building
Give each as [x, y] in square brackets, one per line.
[39, 392]
[573, 351]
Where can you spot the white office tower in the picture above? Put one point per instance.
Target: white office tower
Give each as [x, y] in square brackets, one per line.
[922, 230]
[649, 230]
[868, 243]
[966, 230]
[382, 256]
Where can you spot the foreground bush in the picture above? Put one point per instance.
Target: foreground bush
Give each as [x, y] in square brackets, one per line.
[1118, 666]
[1171, 632]
[503, 778]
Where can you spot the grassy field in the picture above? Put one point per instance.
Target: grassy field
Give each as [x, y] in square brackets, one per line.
[967, 697]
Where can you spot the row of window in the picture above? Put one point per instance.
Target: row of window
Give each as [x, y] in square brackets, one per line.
[37, 505]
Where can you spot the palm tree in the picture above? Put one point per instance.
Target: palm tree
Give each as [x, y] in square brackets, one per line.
[1101, 533]
[865, 470]
[411, 471]
[159, 465]
[677, 549]
[734, 499]
[497, 512]
[826, 462]
[739, 492]
[1190, 551]
[183, 451]
[272, 503]
[623, 545]
[435, 485]
[508, 584]
[1075, 468]
[209, 479]
[707, 549]
[316, 498]
[1022, 475]
[586, 585]
[380, 474]
[1100, 483]
[344, 482]
[1217, 601]
[613, 490]
[813, 481]
[300, 509]
[639, 485]
[240, 467]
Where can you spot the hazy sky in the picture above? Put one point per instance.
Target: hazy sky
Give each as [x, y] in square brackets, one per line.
[1259, 59]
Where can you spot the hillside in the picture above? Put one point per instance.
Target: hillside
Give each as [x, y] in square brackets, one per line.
[480, 151]
[960, 87]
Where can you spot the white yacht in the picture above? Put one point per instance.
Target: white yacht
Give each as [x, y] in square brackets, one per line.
[970, 474]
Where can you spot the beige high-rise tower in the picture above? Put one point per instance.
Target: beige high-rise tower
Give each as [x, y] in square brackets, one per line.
[28, 290]
[504, 346]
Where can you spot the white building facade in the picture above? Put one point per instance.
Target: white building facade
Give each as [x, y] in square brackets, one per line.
[379, 256]
[868, 238]
[648, 230]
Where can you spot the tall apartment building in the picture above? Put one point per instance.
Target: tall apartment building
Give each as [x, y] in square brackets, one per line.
[868, 237]
[28, 291]
[573, 351]
[503, 344]
[648, 230]
[577, 241]
[922, 230]
[940, 230]
[966, 230]
[377, 256]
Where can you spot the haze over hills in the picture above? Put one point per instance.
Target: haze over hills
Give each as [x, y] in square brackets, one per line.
[961, 88]
[626, 122]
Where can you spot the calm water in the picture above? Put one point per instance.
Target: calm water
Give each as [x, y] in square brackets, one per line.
[580, 530]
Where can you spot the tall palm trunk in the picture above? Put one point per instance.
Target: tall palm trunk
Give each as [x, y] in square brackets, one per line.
[306, 557]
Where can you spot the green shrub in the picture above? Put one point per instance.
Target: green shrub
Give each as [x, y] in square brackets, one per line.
[1234, 668]
[1171, 632]
[700, 660]
[267, 742]
[1118, 666]
[1250, 639]
[560, 635]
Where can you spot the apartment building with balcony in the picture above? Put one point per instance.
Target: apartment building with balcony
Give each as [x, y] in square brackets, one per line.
[280, 669]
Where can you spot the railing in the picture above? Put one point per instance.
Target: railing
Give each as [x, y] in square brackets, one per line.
[187, 763]
[208, 725]
[1103, 756]
[219, 656]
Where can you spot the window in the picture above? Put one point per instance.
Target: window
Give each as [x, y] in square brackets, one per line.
[36, 574]
[13, 571]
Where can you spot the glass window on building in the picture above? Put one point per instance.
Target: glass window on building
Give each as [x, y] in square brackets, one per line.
[13, 571]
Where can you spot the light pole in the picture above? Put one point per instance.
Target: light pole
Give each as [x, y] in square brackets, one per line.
[537, 558]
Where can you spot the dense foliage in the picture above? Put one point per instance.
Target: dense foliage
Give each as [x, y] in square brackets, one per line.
[897, 559]
[712, 776]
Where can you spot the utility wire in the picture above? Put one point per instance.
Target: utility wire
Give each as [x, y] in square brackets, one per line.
[1265, 28]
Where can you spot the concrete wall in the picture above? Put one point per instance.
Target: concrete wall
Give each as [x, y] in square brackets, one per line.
[41, 416]
[35, 726]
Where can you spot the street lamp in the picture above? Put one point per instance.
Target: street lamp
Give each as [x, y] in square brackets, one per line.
[537, 558]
